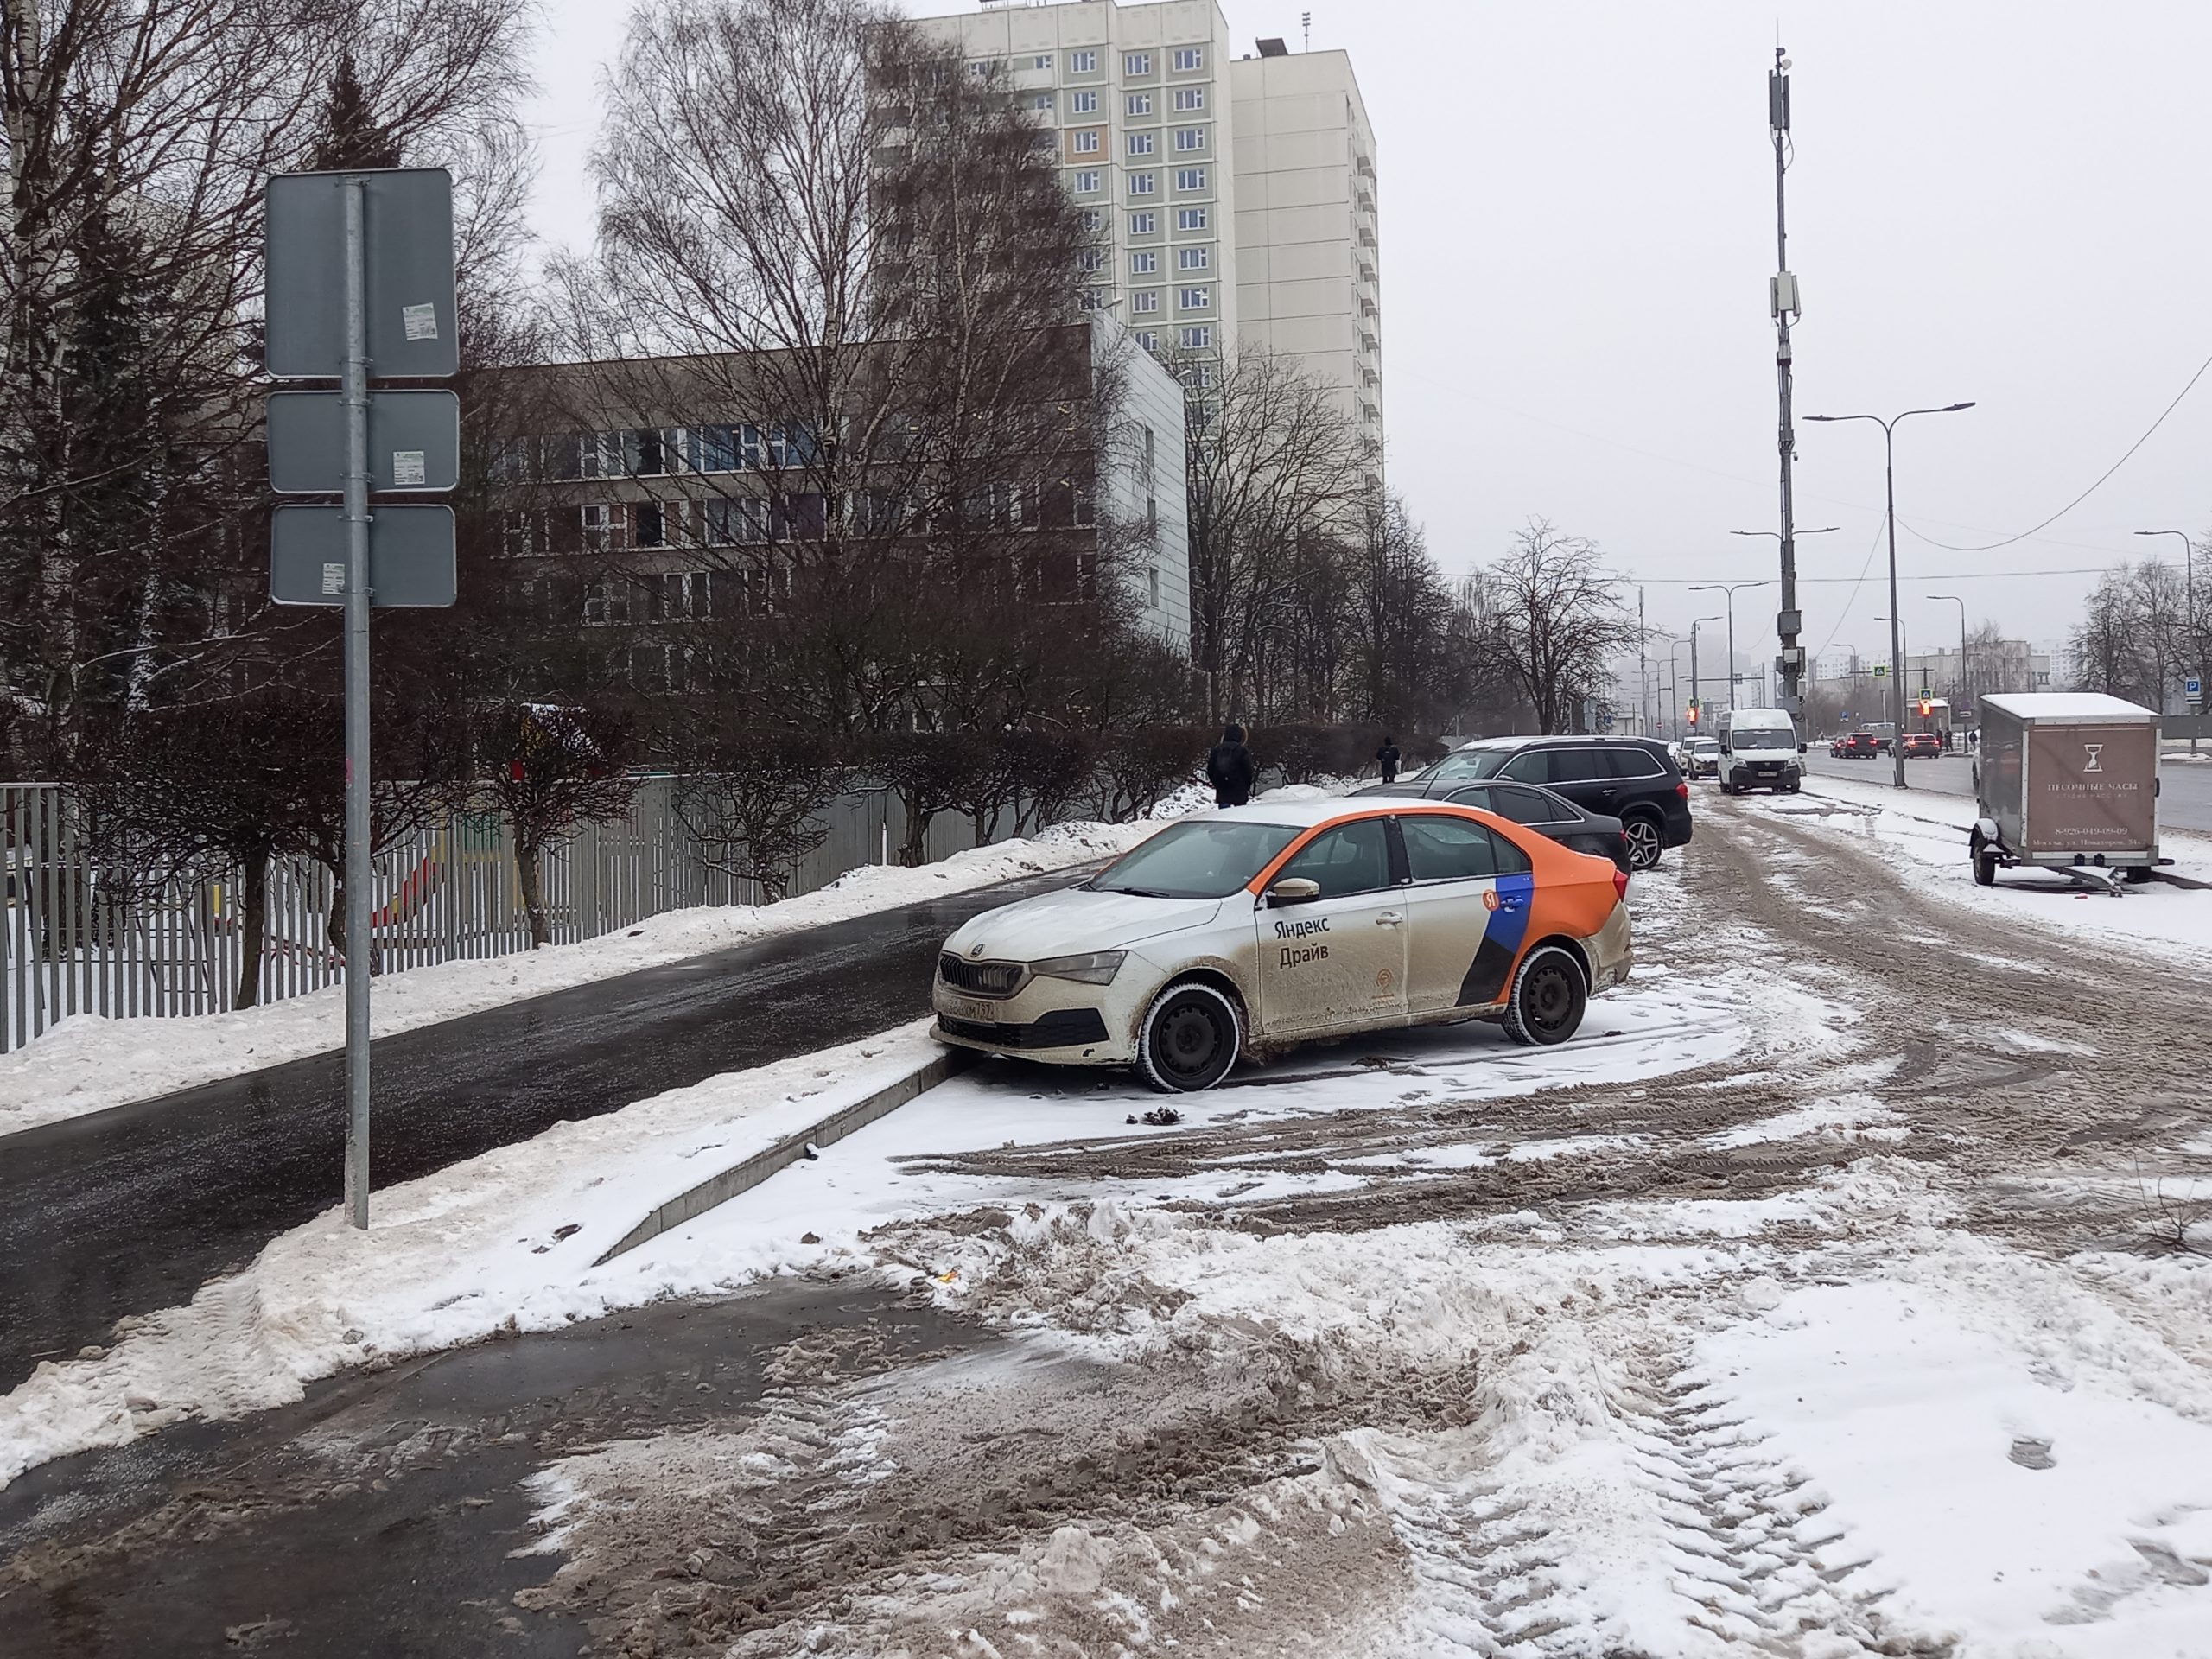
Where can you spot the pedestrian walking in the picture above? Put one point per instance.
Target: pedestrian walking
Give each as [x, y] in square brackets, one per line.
[1387, 758]
[1229, 768]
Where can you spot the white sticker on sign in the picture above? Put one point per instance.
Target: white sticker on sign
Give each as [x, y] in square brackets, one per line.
[422, 321]
[333, 578]
[407, 469]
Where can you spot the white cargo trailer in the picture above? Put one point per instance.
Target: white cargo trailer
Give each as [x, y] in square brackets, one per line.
[2067, 781]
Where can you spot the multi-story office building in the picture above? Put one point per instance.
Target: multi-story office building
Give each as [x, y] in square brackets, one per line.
[1234, 197]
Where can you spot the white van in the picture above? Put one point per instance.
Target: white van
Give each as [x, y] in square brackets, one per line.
[1759, 750]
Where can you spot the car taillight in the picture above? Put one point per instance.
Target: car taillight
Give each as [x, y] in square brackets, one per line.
[1682, 789]
[1620, 885]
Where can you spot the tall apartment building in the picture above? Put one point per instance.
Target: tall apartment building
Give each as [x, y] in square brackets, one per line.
[1308, 281]
[1234, 197]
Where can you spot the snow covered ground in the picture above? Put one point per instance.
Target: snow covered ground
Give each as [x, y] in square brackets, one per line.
[1828, 1298]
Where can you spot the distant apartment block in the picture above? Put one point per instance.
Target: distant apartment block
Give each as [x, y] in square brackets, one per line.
[1234, 196]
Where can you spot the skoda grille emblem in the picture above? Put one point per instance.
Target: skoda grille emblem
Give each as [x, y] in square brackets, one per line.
[2095, 765]
[975, 951]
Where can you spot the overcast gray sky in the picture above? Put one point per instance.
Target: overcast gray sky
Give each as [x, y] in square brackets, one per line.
[2003, 201]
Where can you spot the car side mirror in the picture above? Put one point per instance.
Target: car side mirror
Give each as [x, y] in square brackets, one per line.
[1294, 890]
[1804, 749]
[1725, 749]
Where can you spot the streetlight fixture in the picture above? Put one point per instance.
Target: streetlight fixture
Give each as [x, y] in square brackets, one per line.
[1890, 480]
[1697, 702]
[1729, 588]
[1966, 684]
[2188, 606]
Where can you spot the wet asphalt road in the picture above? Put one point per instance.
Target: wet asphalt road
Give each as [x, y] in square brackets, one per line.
[128, 1210]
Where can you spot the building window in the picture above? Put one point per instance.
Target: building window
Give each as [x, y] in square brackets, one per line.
[1139, 103]
[1042, 101]
[1136, 63]
[1190, 57]
[1190, 137]
[1143, 184]
[1144, 224]
[1093, 299]
[1083, 103]
[1086, 181]
[1043, 61]
[1194, 259]
[1192, 218]
[981, 67]
[1082, 63]
[1153, 575]
[1094, 221]
[1190, 178]
[1086, 142]
[1199, 339]
[1143, 262]
[1140, 144]
[1195, 299]
[1148, 338]
[1190, 97]
[1145, 300]
[1091, 259]
[605, 602]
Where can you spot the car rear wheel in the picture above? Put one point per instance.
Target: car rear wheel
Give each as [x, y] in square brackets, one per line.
[1548, 996]
[1190, 1037]
[1646, 842]
[1984, 862]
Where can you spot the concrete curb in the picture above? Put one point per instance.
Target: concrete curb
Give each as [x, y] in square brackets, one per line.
[749, 1173]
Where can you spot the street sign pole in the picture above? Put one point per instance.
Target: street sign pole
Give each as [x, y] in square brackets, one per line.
[359, 945]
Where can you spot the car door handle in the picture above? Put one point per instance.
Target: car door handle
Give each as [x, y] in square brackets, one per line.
[1510, 901]
[1390, 918]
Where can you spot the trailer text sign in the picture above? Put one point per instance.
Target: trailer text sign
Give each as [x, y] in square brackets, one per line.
[2091, 789]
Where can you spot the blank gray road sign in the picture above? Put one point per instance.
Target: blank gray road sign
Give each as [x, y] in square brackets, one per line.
[414, 441]
[407, 221]
[410, 557]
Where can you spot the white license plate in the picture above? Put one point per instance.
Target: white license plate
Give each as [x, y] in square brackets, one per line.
[961, 1009]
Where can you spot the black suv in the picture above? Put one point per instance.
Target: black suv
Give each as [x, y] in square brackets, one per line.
[1632, 779]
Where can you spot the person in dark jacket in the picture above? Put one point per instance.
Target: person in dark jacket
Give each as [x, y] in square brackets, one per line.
[1387, 758]
[1229, 768]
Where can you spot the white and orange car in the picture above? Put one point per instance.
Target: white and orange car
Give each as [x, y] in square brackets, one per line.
[1245, 931]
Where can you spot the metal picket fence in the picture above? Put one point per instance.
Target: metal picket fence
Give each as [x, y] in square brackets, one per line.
[76, 939]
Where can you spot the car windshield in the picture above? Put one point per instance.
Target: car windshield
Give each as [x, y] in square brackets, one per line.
[1470, 763]
[1205, 858]
[1705, 746]
[1765, 737]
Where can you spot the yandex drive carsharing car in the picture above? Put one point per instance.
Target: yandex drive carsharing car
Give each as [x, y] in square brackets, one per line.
[1248, 929]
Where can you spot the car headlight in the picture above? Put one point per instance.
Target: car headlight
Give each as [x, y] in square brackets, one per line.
[1093, 968]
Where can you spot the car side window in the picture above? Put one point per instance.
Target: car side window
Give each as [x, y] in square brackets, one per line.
[1633, 763]
[1454, 849]
[1351, 858]
[1526, 806]
[1475, 795]
[1578, 765]
[1529, 766]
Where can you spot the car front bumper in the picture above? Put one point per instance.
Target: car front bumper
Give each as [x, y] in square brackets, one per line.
[1058, 1020]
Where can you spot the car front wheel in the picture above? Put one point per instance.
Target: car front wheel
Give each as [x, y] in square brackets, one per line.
[1548, 999]
[1645, 842]
[1190, 1037]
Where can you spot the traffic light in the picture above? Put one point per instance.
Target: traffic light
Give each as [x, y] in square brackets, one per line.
[1927, 707]
[1692, 714]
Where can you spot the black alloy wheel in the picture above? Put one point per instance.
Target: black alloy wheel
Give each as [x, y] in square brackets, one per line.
[1646, 842]
[1190, 1038]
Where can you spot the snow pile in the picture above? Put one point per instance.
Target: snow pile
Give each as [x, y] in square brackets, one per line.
[504, 1241]
[88, 1063]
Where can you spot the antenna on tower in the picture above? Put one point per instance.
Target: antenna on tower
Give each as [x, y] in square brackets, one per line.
[1305, 22]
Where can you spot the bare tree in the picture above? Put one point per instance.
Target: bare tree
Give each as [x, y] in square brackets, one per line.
[1552, 622]
[752, 798]
[1277, 478]
[551, 768]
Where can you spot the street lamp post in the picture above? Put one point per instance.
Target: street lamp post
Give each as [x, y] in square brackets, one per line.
[1729, 588]
[1675, 643]
[1697, 701]
[1804, 674]
[1896, 628]
[2189, 606]
[1966, 681]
